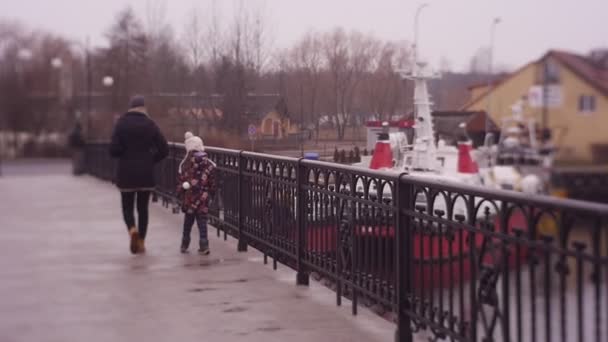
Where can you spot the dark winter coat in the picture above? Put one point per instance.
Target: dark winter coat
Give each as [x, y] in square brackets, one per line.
[76, 138]
[199, 172]
[138, 144]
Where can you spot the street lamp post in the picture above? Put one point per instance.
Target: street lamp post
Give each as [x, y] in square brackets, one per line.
[495, 22]
[57, 64]
[88, 79]
[108, 82]
[418, 10]
[23, 55]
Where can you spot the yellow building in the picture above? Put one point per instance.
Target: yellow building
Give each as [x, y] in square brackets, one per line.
[277, 126]
[566, 93]
[275, 123]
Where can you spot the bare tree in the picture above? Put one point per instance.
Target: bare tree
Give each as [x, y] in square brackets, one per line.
[214, 40]
[156, 11]
[34, 94]
[335, 48]
[14, 105]
[238, 33]
[258, 39]
[343, 75]
[348, 60]
[379, 83]
[309, 59]
[126, 56]
[385, 89]
[194, 38]
[363, 50]
[250, 38]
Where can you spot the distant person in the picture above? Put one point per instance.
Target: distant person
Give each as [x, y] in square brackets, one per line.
[138, 144]
[77, 143]
[196, 188]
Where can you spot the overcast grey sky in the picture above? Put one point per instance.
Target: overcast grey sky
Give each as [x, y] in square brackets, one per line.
[454, 29]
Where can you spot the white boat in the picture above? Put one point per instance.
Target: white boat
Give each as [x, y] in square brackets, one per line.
[519, 152]
[516, 162]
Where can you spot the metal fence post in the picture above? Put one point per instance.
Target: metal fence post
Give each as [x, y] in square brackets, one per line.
[242, 244]
[302, 276]
[404, 257]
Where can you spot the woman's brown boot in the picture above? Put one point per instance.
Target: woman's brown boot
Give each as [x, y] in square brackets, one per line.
[134, 243]
[141, 247]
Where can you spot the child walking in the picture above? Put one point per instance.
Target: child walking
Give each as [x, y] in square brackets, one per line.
[195, 189]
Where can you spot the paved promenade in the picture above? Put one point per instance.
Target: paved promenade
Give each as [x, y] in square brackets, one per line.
[66, 275]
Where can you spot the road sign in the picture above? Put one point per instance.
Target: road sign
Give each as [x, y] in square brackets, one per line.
[252, 130]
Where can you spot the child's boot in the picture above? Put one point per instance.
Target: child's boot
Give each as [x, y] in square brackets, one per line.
[203, 247]
[184, 246]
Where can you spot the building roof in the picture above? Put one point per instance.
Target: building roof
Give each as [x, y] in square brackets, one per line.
[584, 67]
[495, 79]
[258, 105]
[592, 72]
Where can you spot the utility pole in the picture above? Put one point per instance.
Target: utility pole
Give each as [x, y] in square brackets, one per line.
[545, 98]
[495, 22]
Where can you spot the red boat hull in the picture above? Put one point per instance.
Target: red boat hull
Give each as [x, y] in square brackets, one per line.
[439, 260]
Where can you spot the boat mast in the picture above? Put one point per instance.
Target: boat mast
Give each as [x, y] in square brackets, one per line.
[424, 149]
[423, 152]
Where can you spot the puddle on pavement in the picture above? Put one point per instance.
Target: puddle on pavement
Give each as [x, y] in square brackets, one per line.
[203, 289]
[210, 262]
[270, 329]
[226, 281]
[236, 309]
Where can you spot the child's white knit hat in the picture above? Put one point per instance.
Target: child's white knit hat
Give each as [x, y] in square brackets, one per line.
[193, 143]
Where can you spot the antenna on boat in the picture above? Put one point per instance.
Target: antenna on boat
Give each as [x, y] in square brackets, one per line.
[415, 45]
[424, 147]
[490, 85]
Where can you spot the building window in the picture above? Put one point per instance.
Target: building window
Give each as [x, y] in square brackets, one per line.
[547, 72]
[586, 104]
[551, 71]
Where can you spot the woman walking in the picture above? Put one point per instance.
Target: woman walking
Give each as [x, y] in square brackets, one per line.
[137, 144]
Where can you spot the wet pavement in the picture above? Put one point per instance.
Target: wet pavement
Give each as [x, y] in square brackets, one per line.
[35, 166]
[66, 275]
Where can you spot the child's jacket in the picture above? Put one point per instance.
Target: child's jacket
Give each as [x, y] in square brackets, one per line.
[199, 172]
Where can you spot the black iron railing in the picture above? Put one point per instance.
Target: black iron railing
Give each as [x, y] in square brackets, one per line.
[456, 262]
